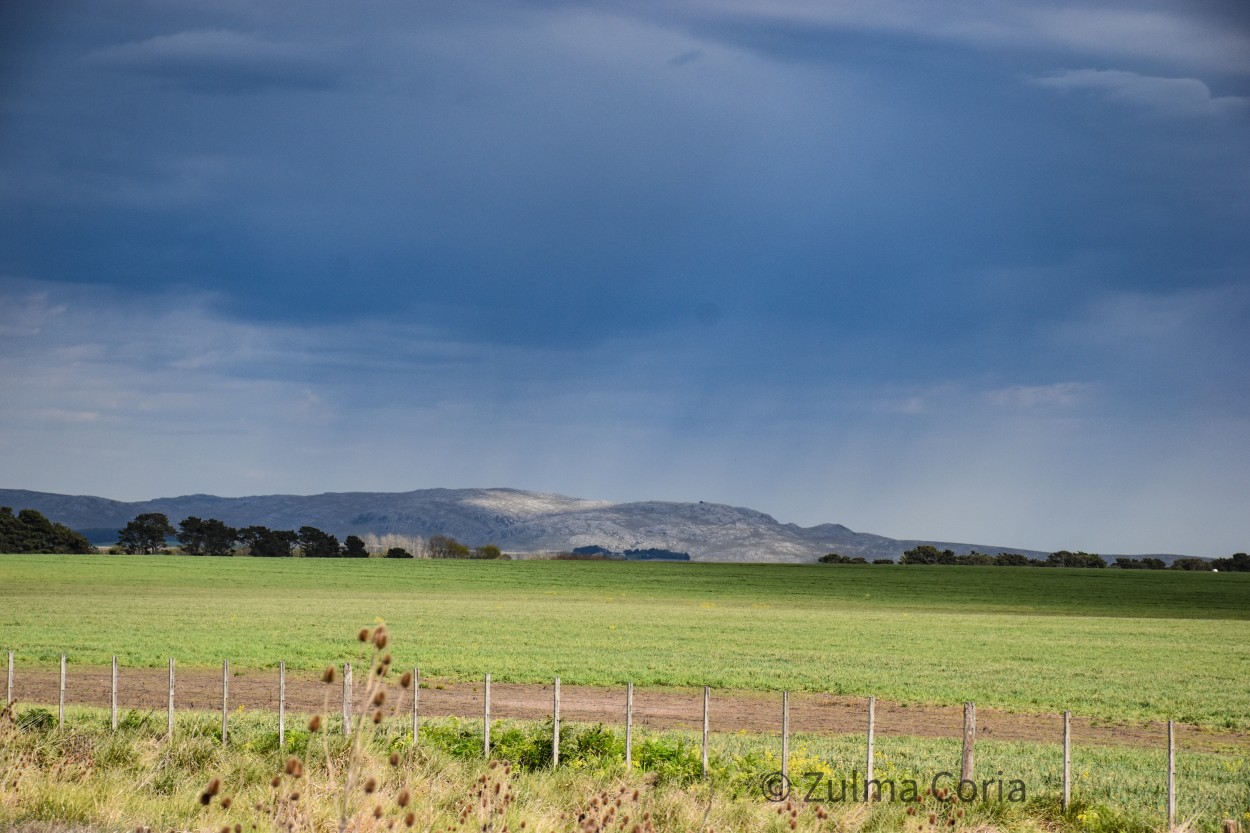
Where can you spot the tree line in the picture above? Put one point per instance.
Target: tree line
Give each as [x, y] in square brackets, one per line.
[929, 554]
[29, 531]
[148, 533]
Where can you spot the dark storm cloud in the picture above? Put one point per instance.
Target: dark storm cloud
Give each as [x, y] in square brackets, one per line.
[570, 180]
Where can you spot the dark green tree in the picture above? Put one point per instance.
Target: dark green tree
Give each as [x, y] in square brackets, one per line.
[836, 558]
[923, 554]
[146, 534]
[398, 552]
[353, 547]
[1140, 564]
[30, 531]
[975, 559]
[14, 536]
[1014, 559]
[315, 543]
[206, 537]
[263, 542]
[1236, 563]
[928, 554]
[1063, 558]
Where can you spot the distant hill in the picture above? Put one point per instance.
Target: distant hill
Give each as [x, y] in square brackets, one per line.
[518, 521]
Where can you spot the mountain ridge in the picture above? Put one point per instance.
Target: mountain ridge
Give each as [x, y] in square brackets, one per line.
[518, 521]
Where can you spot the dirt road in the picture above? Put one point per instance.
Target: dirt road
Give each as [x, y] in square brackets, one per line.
[731, 711]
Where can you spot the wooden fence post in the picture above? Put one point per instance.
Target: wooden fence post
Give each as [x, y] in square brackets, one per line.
[416, 703]
[970, 739]
[1171, 775]
[870, 767]
[785, 734]
[113, 696]
[555, 725]
[706, 698]
[1067, 759]
[8, 697]
[282, 704]
[60, 714]
[225, 698]
[486, 720]
[347, 698]
[169, 715]
[629, 725]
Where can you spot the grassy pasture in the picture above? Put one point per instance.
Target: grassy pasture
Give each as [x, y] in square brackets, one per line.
[1109, 644]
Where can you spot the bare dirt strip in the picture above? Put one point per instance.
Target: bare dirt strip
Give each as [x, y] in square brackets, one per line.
[730, 711]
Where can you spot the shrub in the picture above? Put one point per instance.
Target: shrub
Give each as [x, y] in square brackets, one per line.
[835, 558]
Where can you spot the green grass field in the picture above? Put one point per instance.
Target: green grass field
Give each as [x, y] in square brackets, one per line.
[1104, 643]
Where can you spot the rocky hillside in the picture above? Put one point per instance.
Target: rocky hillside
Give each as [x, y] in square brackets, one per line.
[517, 521]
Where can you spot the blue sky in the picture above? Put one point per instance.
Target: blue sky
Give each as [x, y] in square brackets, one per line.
[974, 271]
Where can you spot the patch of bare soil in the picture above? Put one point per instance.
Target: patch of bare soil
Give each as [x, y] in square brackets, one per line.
[730, 711]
